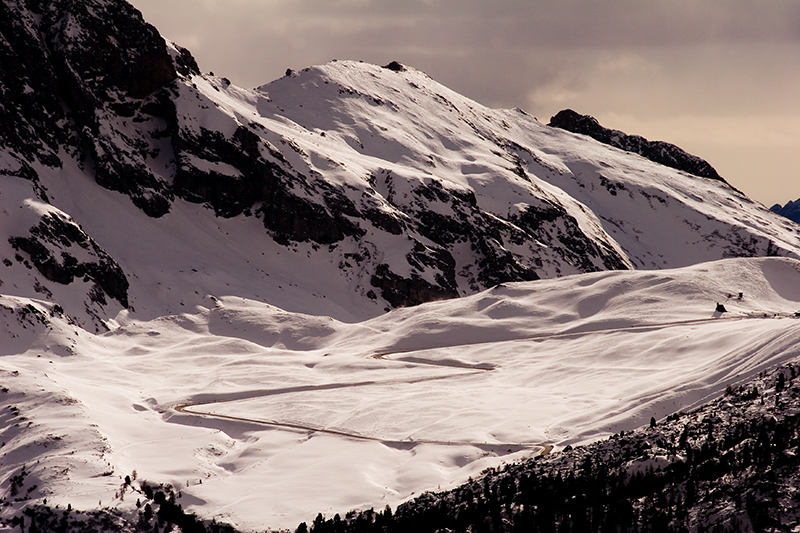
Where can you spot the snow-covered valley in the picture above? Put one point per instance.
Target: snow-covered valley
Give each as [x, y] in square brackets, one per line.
[262, 418]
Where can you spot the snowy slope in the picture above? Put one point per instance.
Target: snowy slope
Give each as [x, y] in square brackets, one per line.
[257, 415]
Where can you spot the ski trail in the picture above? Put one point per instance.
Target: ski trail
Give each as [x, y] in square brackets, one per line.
[191, 408]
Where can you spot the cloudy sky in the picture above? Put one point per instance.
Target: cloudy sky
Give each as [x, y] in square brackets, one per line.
[720, 78]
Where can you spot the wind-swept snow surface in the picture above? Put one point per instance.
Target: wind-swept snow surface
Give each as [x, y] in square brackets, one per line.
[263, 417]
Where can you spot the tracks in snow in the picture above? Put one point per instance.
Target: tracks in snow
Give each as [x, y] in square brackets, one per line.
[191, 408]
[576, 332]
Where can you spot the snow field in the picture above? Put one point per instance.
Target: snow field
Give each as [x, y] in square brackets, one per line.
[263, 417]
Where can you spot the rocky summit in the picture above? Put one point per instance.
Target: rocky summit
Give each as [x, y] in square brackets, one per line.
[791, 210]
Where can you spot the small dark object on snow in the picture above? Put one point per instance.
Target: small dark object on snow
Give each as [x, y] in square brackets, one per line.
[721, 308]
[741, 295]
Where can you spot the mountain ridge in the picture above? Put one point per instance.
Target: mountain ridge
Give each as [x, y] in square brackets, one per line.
[417, 192]
[658, 151]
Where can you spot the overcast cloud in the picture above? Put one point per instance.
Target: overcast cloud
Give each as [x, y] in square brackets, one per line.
[720, 78]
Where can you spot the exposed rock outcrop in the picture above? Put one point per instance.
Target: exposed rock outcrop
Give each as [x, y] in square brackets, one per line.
[74, 72]
[658, 151]
[62, 252]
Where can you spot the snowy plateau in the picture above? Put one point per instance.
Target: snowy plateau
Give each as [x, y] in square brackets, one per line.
[340, 289]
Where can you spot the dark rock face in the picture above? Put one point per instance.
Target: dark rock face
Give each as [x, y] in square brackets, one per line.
[83, 53]
[58, 235]
[71, 70]
[228, 193]
[185, 63]
[403, 292]
[290, 218]
[256, 179]
[791, 210]
[127, 54]
[29, 105]
[658, 151]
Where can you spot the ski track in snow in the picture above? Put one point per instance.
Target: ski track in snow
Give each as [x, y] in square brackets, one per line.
[191, 408]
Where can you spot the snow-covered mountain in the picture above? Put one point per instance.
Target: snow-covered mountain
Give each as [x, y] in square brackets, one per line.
[396, 189]
[189, 267]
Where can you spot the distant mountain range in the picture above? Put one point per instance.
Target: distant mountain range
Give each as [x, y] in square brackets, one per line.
[791, 210]
[154, 216]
